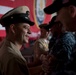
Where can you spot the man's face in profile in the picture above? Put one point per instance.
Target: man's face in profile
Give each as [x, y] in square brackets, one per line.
[22, 31]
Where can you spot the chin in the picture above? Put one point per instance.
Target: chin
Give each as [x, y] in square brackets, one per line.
[26, 41]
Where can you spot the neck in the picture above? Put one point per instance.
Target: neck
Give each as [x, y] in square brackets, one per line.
[16, 43]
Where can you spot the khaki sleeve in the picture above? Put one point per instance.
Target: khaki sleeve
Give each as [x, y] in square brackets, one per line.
[37, 50]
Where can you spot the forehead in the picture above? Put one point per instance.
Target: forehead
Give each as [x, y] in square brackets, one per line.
[61, 10]
[61, 13]
[43, 29]
[23, 24]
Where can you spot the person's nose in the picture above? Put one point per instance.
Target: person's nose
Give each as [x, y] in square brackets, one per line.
[29, 31]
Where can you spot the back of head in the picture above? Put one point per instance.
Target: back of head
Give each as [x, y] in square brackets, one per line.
[17, 15]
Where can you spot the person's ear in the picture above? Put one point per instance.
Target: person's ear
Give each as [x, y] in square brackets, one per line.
[72, 11]
[12, 27]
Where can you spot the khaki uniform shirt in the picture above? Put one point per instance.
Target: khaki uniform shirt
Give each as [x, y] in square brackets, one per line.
[40, 47]
[11, 60]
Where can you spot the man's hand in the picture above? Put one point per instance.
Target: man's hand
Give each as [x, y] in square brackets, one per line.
[47, 63]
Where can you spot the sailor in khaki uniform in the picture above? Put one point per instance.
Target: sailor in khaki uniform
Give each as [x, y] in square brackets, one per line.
[17, 25]
[41, 45]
